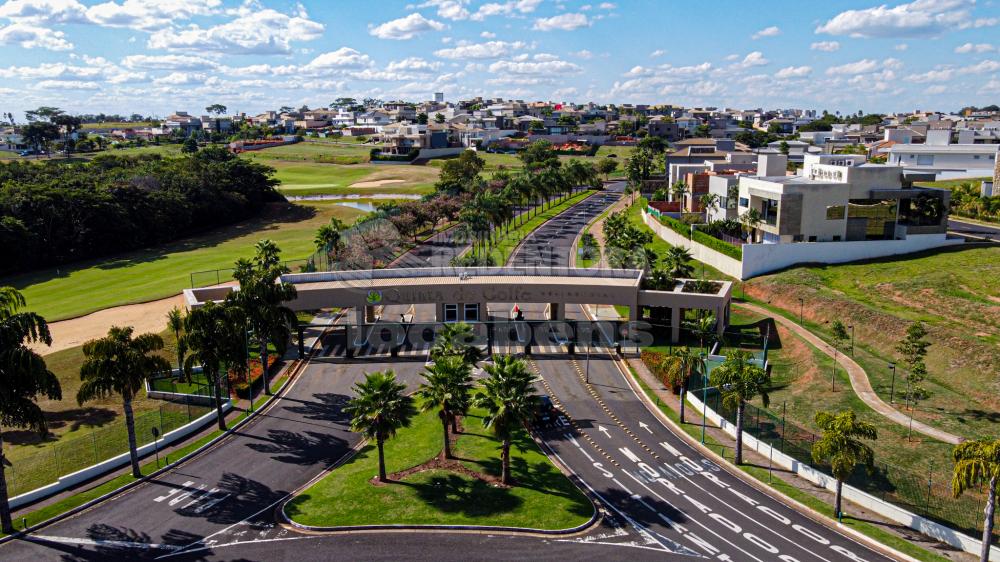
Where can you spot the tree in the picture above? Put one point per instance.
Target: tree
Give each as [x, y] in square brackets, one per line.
[703, 328]
[639, 166]
[682, 363]
[459, 175]
[709, 202]
[750, 220]
[447, 388]
[740, 381]
[189, 146]
[261, 297]
[38, 134]
[119, 364]
[175, 322]
[607, 166]
[678, 190]
[379, 408]
[217, 109]
[913, 348]
[508, 395]
[421, 118]
[702, 131]
[24, 378]
[329, 238]
[678, 262]
[538, 155]
[840, 335]
[215, 334]
[840, 446]
[976, 463]
[783, 147]
[454, 338]
[438, 118]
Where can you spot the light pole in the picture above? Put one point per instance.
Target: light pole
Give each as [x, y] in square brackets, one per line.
[892, 387]
[588, 364]
[704, 400]
[852, 339]
[833, 373]
[802, 304]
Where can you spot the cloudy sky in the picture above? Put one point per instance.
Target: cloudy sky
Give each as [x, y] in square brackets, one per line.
[155, 56]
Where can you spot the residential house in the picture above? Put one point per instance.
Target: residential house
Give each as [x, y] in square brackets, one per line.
[946, 160]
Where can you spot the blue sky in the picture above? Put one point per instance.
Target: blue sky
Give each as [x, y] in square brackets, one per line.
[155, 56]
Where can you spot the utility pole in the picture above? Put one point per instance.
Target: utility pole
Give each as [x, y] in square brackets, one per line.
[892, 387]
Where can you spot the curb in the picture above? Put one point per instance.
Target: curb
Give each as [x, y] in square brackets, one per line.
[294, 371]
[800, 508]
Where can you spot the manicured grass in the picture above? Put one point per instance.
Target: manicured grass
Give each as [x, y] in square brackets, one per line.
[503, 249]
[949, 184]
[761, 474]
[542, 498]
[83, 287]
[117, 125]
[328, 153]
[660, 246]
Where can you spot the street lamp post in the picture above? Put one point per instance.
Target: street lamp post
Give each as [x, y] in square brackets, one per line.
[802, 304]
[852, 339]
[892, 387]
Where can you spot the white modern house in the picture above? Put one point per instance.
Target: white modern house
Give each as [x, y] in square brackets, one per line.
[944, 159]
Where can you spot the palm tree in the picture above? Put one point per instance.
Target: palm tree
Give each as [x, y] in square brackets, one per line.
[261, 296]
[215, 334]
[329, 238]
[840, 446]
[750, 220]
[678, 190]
[977, 462]
[709, 202]
[453, 339]
[449, 382]
[678, 262]
[175, 322]
[23, 376]
[684, 363]
[508, 395]
[740, 381]
[378, 409]
[703, 328]
[118, 364]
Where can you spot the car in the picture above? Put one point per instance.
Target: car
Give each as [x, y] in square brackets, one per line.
[545, 412]
[26, 152]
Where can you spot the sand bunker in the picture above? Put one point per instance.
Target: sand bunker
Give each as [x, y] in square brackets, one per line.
[375, 183]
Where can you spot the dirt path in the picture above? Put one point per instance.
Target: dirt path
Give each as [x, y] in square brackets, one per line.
[144, 317]
[859, 379]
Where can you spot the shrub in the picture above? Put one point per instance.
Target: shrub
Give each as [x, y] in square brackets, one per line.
[702, 238]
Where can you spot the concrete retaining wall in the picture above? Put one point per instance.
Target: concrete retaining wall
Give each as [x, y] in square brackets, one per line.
[859, 497]
[98, 469]
[730, 266]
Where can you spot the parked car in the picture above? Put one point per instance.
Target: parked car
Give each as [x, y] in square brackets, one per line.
[545, 412]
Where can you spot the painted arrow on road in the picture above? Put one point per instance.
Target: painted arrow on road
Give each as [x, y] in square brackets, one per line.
[646, 427]
[604, 430]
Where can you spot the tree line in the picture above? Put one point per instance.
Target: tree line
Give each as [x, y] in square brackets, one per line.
[53, 213]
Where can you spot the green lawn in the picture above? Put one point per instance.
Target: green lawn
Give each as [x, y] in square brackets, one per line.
[660, 246]
[502, 250]
[117, 125]
[543, 498]
[948, 184]
[318, 152]
[83, 287]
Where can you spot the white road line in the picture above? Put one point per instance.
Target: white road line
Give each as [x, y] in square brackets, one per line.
[98, 542]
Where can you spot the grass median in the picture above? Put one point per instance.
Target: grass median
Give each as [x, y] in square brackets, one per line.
[541, 498]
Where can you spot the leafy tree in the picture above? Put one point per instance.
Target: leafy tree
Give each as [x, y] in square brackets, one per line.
[607, 166]
[639, 166]
[709, 202]
[840, 446]
[655, 144]
[976, 463]
[24, 378]
[508, 395]
[447, 389]
[840, 335]
[189, 146]
[261, 297]
[913, 348]
[438, 118]
[38, 134]
[740, 381]
[678, 190]
[175, 323]
[703, 328]
[217, 109]
[750, 220]
[783, 147]
[454, 339]
[379, 408]
[459, 175]
[421, 118]
[330, 239]
[118, 364]
[215, 334]
[538, 155]
[702, 131]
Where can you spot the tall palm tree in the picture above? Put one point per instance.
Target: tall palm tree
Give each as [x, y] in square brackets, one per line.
[23, 377]
[329, 238]
[750, 220]
[508, 395]
[175, 322]
[840, 445]
[977, 462]
[709, 202]
[684, 363]
[378, 409]
[261, 299]
[454, 339]
[215, 334]
[448, 384]
[703, 328]
[740, 381]
[678, 262]
[118, 364]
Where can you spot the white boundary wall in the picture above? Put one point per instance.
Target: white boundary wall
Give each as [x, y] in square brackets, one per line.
[730, 266]
[864, 499]
[93, 471]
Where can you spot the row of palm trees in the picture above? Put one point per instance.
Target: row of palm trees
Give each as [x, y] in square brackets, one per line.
[381, 406]
[491, 212]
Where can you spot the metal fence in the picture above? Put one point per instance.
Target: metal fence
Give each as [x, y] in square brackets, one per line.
[71, 454]
[927, 493]
[316, 262]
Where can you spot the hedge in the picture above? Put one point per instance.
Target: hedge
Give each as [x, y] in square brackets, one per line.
[712, 242]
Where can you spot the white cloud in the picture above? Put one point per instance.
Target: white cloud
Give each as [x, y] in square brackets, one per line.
[639, 71]
[981, 67]
[488, 50]
[562, 22]
[857, 67]
[607, 6]
[755, 58]
[936, 89]
[767, 32]
[900, 47]
[66, 85]
[940, 75]
[991, 87]
[657, 53]
[828, 46]
[259, 32]
[448, 9]
[488, 35]
[405, 28]
[913, 19]
[535, 68]
[975, 48]
[168, 62]
[344, 58]
[413, 64]
[583, 54]
[44, 12]
[31, 37]
[180, 79]
[149, 15]
[794, 72]
[564, 92]
[510, 8]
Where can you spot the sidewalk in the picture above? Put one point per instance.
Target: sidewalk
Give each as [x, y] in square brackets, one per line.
[859, 378]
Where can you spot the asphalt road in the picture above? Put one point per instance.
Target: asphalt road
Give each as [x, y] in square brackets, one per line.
[984, 231]
[660, 499]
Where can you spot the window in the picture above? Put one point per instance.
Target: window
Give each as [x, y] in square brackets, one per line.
[797, 238]
[836, 238]
[836, 212]
[471, 312]
[451, 313]
[975, 157]
[925, 160]
[812, 238]
[744, 202]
